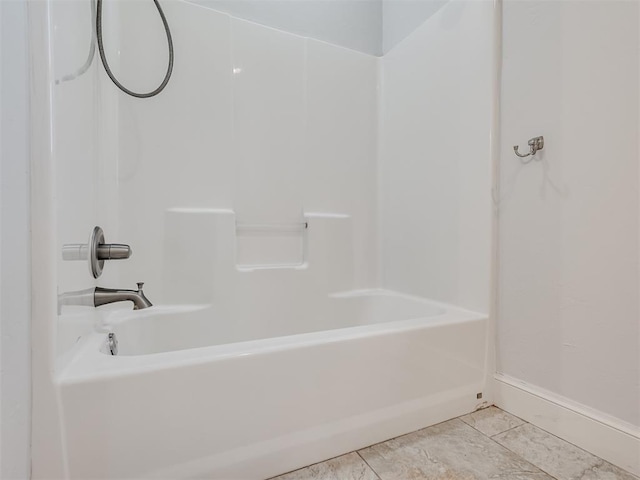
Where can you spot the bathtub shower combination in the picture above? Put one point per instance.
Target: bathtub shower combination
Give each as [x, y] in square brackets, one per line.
[311, 220]
[267, 380]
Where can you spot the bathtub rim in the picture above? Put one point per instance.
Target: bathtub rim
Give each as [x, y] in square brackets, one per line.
[88, 359]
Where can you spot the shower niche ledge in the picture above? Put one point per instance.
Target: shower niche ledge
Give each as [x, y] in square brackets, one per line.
[317, 251]
[270, 245]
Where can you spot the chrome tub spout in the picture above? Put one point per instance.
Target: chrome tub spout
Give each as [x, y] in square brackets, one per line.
[98, 296]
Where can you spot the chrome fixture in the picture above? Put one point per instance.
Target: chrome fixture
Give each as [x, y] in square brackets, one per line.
[535, 144]
[104, 296]
[96, 251]
[105, 63]
[98, 296]
[112, 343]
[96, 37]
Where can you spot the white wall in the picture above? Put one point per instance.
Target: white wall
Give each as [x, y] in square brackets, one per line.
[569, 291]
[435, 159]
[401, 17]
[354, 24]
[257, 120]
[15, 352]
[78, 125]
[368, 26]
[271, 124]
[71, 189]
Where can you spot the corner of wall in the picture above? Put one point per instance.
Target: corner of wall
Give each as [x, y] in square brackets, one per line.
[15, 378]
[496, 61]
[594, 431]
[47, 460]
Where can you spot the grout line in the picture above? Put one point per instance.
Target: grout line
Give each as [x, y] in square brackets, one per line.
[507, 430]
[370, 467]
[495, 434]
[566, 441]
[492, 438]
[519, 456]
[507, 448]
[572, 444]
[479, 431]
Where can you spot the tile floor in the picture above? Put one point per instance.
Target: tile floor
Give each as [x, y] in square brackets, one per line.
[487, 444]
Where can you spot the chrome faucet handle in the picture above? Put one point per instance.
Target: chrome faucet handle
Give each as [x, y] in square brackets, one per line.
[114, 251]
[140, 285]
[96, 251]
[105, 251]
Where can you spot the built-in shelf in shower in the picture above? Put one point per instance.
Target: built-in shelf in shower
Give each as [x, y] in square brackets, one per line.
[270, 245]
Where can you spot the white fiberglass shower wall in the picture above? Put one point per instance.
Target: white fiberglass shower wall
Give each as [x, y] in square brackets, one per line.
[275, 172]
[435, 168]
[255, 121]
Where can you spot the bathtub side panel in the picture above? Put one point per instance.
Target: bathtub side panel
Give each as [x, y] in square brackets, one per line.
[255, 416]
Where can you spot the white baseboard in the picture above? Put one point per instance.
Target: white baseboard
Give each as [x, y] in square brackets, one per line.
[609, 438]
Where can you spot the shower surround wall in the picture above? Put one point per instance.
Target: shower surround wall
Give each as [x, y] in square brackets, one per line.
[354, 24]
[435, 158]
[259, 121]
[68, 197]
[270, 124]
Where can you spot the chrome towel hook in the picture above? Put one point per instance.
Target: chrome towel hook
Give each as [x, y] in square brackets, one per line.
[535, 144]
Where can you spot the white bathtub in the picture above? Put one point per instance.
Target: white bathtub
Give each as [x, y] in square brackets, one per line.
[188, 397]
